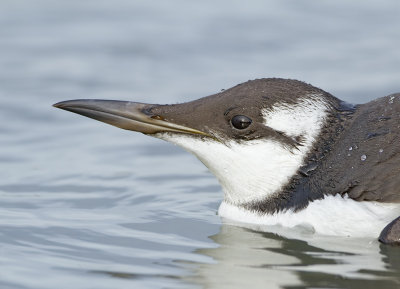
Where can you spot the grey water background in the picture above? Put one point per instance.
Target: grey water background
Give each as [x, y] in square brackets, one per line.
[86, 205]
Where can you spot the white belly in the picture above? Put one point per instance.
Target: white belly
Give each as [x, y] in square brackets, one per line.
[333, 215]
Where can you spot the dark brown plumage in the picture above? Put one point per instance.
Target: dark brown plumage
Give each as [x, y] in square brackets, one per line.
[365, 162]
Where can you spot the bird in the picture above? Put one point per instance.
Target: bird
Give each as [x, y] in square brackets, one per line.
[284, 152]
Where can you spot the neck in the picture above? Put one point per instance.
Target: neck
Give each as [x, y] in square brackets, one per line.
[306, 185]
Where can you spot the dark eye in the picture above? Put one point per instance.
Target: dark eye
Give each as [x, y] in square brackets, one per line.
[240, 121]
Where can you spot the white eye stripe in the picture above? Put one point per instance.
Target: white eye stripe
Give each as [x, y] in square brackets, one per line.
[304, 118]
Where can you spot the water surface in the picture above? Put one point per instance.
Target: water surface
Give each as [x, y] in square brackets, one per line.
[85, 205]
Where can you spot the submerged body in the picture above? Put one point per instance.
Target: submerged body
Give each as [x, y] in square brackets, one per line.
[332, 215]
[284, 152]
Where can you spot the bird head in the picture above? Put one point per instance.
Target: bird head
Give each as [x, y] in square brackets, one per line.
[253, 137]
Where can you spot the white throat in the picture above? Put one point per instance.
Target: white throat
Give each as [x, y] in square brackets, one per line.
[256, 169]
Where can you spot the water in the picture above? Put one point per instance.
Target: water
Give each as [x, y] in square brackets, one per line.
[85, 205]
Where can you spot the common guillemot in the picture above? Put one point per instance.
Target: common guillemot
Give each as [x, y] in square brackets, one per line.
[284, 152]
